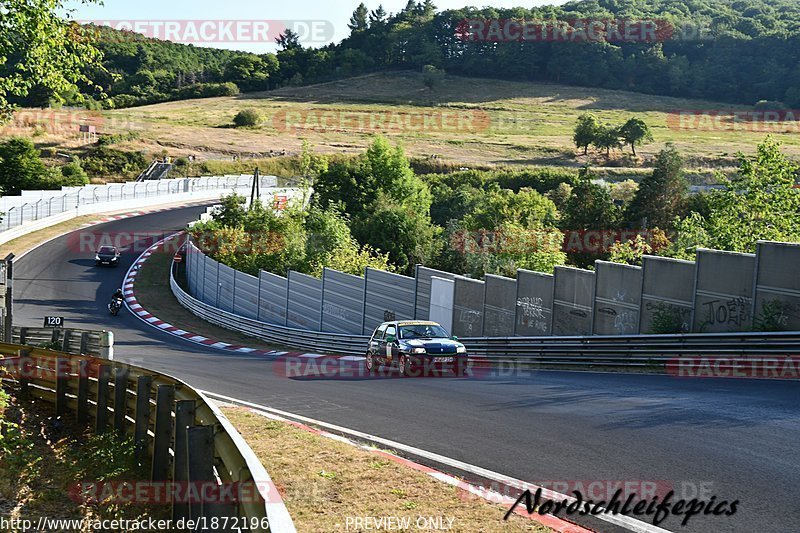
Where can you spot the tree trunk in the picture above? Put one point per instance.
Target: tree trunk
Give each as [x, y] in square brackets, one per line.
[633, 147]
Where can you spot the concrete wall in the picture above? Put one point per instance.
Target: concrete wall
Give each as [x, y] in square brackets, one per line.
[723, 300]
[342, 302]
[573, 301]
[534, 314]
[778, 285]
[423, 276]
[618, 294]
[499, 306]
[388, 297]
[441, 302]
[468, 307]
[667, 292]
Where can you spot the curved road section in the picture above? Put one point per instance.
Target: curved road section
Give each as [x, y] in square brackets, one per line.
[703, 438]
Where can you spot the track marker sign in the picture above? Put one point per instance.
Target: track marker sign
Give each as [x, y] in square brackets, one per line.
[56, 322]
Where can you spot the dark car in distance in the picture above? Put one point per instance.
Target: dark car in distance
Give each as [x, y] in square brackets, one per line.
[107, 255]
[415, 347]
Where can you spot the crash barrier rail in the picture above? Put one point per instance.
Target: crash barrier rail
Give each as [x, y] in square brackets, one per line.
[185, 438]
[277, 335]
[612, 351]
[665, 294]
[33, 206]
[72, 341]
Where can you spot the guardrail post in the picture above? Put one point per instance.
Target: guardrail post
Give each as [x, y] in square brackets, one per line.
[143, 385]
[65, 341]
[62, 375]
[83, 391]
[107, 345]
[84, 342]
[200, 449]
[101, 420]
[163, 433]
[23, 334]
[120, 395]
[25, 371]
[55, 335]
[184, 419]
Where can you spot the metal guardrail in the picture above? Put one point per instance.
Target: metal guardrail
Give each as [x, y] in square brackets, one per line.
[72, 341]
[335, 343]
[597, 351]
[184, 435]
[35, 205]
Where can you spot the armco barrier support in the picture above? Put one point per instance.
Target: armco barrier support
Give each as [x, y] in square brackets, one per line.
[534, 304]
[499, 306]
[342, 302]
[73, 341]
[422, 298]
[618, 294]
[387, 297]
[723, 295]
[777, 285]
[668, 291]
[225, 455]
[468, 307]
[573, 303]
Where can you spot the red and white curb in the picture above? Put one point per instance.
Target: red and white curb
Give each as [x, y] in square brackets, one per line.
[129, 291]
[553, 522]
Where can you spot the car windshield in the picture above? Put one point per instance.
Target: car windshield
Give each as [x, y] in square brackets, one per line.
[423, 331]
[107, 250]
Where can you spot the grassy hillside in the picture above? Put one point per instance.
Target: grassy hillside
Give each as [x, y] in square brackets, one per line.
[513, 123]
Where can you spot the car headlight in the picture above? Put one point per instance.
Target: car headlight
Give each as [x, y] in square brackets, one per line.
[461, 349]
[418, 350]
[114, 258]
[97, 258]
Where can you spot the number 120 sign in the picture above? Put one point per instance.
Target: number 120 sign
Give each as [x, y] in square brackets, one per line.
[54, 322]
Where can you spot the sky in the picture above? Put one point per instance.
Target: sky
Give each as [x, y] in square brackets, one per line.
[212, 23]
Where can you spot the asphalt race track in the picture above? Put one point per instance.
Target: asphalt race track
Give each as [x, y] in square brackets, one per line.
[733, 439]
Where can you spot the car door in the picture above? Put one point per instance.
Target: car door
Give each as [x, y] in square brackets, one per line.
[375, 341]
[389, 349]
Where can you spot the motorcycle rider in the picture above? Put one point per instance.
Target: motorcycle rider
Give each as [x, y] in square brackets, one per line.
[118, 295]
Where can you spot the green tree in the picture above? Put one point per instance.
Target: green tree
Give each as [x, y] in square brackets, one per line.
[759, 203]
[358, 21]
[38, 48]
[20, 166]
[635, 132]
[585, 131]
[607, 138]
[432, 77]
[661, 196]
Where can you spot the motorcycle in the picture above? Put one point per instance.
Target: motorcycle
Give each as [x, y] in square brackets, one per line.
[115, 306]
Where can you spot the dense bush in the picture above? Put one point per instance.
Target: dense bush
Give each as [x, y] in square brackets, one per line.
[247, 118]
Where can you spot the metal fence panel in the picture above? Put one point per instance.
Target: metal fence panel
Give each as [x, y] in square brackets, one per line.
[441, 302]
[534, 304]
[210, 285]
[272, 298]
[342, 302]
[305, 301]
[618, 295]
[573, 301]
[227, 289]
[667, 295]
[468, 307]
[723, 296]
[778, 286]
[387, 297]
[245, 302]
[423, 276]
[499, 307]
